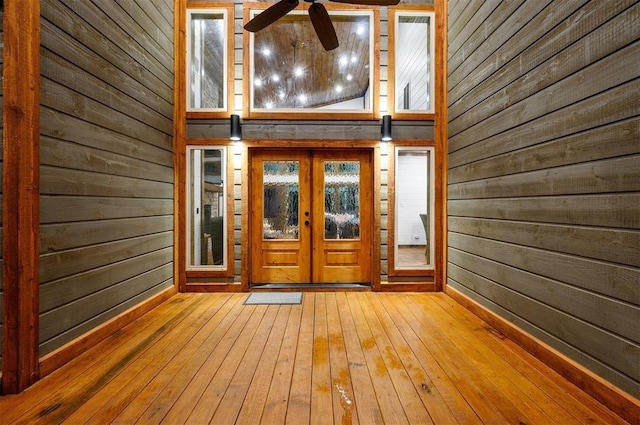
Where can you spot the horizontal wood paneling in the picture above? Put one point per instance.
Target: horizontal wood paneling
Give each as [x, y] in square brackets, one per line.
[615, 210]
[503, 22]
[614, 105]
[106, 162]
[604, 244]
[544, 173]
[609, 141]
[342, 130]
[619, 174]
[555, 55]
[580, 272]
[95, 53]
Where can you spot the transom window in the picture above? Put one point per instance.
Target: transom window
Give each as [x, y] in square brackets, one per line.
[290, 72]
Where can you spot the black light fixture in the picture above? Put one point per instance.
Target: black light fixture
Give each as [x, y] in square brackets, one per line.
[236, 129]
[386, 128]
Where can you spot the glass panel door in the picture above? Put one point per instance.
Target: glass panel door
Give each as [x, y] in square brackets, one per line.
[311, 217]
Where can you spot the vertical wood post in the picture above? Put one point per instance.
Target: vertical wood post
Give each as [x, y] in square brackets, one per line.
[179, 143]
[441, 139]
[21, 187]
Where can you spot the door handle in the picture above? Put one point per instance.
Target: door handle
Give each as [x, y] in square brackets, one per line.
[306, 222]
[306, 213]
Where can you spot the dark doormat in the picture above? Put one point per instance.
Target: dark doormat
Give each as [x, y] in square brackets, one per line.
[274, 298]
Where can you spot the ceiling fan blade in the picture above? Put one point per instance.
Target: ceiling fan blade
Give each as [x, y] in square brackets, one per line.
[270, 15]
[370, 2]
[323, 26]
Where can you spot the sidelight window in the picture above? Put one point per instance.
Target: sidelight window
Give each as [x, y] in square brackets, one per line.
[207, 208]
[413, 235]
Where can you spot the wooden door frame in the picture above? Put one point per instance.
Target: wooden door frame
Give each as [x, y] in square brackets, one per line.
[252, 145]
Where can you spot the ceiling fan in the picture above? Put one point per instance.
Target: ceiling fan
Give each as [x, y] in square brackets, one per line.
[317, 13]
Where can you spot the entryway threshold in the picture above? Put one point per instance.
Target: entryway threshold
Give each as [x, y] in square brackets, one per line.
[310, 287]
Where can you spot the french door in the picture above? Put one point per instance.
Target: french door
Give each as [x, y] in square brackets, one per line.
[311, 216]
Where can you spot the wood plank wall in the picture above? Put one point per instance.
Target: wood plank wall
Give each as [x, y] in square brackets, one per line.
[305, 129]
[544, 174]
[106, 161]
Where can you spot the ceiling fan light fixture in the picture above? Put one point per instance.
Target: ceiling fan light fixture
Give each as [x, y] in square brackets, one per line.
[317, 13]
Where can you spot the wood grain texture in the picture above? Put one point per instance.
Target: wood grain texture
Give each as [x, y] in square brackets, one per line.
[543, 174]
[20, 190]
[107, 166]
[201, 358]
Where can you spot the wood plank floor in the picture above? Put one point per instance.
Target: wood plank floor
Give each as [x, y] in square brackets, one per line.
[344, 358]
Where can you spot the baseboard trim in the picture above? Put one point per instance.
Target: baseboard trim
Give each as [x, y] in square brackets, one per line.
[73, 349]
[618, 401]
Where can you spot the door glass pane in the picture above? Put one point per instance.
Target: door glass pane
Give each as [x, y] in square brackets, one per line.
[280, 184]
[413, 208]
[342, 200]
[206, 197]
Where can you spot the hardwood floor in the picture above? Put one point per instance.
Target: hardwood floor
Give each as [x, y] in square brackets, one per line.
[344, 358]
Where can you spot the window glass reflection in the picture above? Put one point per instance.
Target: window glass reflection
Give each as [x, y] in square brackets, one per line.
[413, 54]
[413, 208]
[292, 71]
[280, 182]
[206, 196]
[206, 61]
[342, 200]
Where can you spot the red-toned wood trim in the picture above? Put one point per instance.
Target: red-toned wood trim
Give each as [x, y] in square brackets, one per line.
[623, 404]
[245, 223]
[179, 142]
[73, 349]
[249, 146]
[392, 272]
[408, 287]
[376, 240]
[215, 287]
[229, 272]
[441, 126]
[21, 202]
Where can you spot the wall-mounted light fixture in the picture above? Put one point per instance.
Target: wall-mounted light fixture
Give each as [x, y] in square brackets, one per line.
[386, 128]
[236, 129]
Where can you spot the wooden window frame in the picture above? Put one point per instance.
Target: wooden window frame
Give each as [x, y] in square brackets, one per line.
[219, 270]
[437, 196]
[209, 7]
[311, 114]
[201, 274]
[393, 12]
